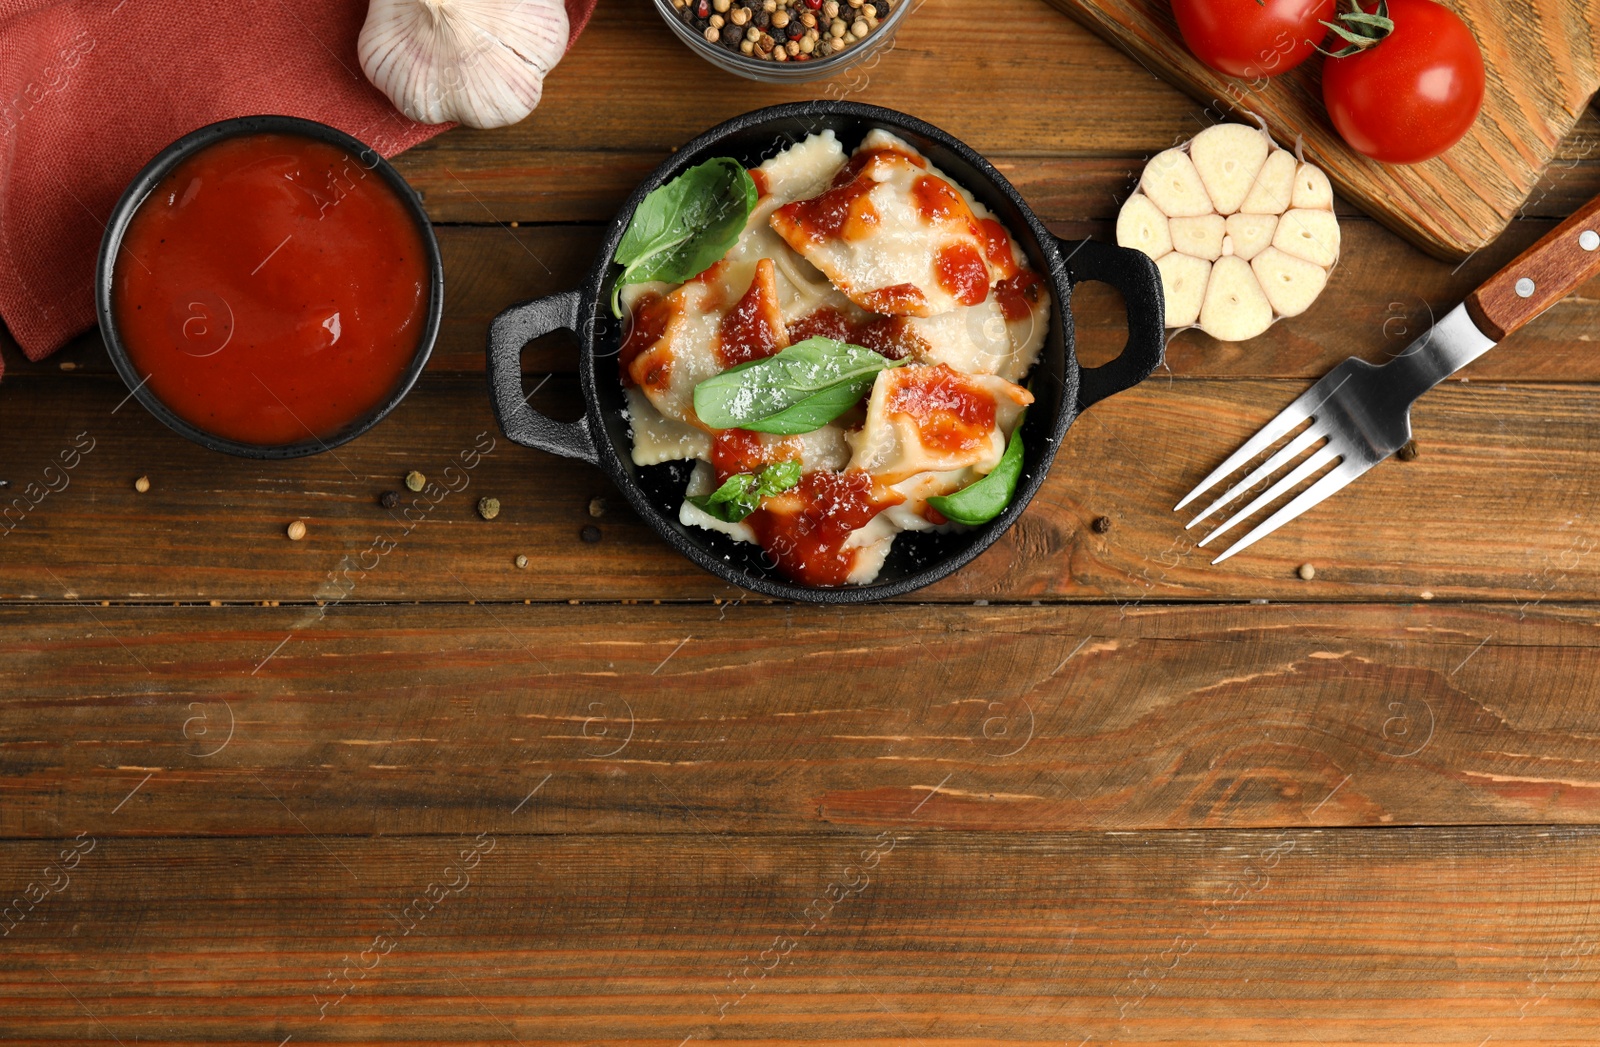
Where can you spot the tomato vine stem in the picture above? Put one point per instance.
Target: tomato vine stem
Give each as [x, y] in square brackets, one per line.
[1360, 30]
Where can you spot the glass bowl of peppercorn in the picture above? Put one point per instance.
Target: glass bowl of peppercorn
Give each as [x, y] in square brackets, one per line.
[784, 41]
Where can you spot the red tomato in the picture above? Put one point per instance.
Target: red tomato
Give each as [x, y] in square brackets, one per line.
[1413, 94]
[1253, 38]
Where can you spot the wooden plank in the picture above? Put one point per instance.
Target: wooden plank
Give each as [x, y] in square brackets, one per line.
[1542, 61]
[570, 162]
[594, 184]
[1361, 313]
[659, 95]
[1296, 937]
[1496, 507]
[367, 720]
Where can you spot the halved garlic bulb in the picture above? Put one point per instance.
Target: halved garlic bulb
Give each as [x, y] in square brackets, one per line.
[478, 62]
[1242, 232]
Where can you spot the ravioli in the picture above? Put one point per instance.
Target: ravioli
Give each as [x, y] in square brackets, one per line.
[928, 418]
[657, 438]
[893, 234]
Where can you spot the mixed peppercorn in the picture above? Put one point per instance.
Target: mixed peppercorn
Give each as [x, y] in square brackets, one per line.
[784, 30]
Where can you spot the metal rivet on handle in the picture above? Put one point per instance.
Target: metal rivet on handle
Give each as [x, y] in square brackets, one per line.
[1589, 239]
[1525, 288]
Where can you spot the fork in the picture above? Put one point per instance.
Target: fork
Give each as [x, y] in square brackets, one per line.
[1360, 413]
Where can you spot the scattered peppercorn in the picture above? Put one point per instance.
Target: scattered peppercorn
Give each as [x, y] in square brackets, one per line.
[590, 534]
[142, 484]
[522, 561]
[297, 530]
[1307, 572]
[1101, 524]
[1408, 451]
[488, 508]
[415, 481]
[390, 499]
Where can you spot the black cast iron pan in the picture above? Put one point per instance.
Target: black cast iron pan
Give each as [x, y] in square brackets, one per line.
[601, 437]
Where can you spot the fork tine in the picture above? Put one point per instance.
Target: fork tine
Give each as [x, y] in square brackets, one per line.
[1341, 475]
[1273, 431]
[1322, 457]
[1264, 470]
[1268, 435]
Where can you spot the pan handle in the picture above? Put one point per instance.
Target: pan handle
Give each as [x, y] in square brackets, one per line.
[509, 332]
[1136, 276]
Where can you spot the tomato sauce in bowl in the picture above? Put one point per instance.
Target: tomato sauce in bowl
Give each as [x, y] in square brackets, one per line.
[270, 292]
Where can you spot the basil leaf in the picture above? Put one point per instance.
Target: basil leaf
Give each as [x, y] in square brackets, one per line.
[731, 502]
[986, 498]
[799, 390]
[741, 494]
[778, 478]
[685, 226]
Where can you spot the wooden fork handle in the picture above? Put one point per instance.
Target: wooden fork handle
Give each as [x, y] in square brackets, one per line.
[1541, 276]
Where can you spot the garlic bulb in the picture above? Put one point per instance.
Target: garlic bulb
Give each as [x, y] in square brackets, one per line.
[1242, 233]
[478, 62]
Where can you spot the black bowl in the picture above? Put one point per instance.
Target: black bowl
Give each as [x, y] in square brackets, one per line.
[1060, 387]
[162, 165]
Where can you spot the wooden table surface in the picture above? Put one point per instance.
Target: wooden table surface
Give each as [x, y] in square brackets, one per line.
[1089, 790]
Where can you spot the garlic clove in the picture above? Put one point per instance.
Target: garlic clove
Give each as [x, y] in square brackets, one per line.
[1311, 189]
[1174, 186]
[1228, 157]
[1291, 284]
[1200, 236]
[1141, 224]
[1251, 233]
[1235, 307]
[1311, 235]
[1183, 285]
[477, 62]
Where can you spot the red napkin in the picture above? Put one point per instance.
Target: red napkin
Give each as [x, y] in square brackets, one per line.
[90, 90]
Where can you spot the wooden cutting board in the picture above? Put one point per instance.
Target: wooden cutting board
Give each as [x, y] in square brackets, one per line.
[1543, 64]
